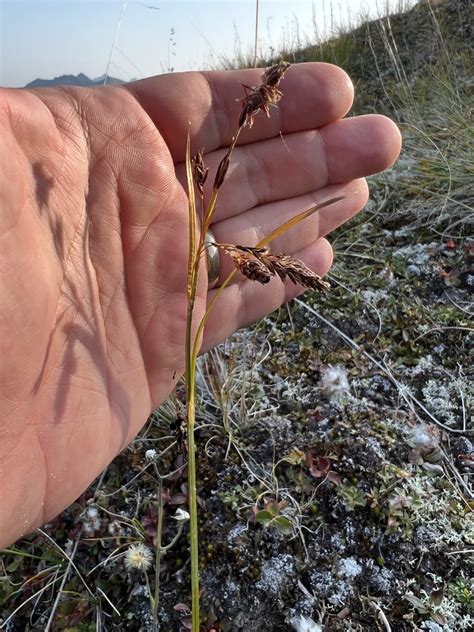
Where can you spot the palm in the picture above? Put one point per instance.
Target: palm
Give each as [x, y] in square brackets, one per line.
[93, 335]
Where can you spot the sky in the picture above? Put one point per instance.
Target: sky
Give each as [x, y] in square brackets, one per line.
[139, 38]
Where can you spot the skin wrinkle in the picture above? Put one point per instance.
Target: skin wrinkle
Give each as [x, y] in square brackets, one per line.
[142, 338]
[320, 136]
[122, 281]
[127, 298]
[167, 293]
[63, 120]
[102, 328]
[216, 107]
[83, 215]
[247, 158]
[42, 513]
[146, 229]
[259, 170]
[65, 267]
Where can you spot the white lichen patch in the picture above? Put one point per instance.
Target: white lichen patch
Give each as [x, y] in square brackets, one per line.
[349, 568]
[275, 574]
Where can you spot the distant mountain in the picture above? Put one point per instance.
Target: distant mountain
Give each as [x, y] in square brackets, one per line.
[73, 80]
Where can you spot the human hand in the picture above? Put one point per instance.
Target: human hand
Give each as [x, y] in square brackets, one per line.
[94, 247]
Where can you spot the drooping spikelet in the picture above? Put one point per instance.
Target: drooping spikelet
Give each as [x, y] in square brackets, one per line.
[261, 97]
[246, 262]
[256, 99]
[258, 264]
[284, 266]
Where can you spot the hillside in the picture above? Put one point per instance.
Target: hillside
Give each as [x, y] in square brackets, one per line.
[73, 80]
[335, 437]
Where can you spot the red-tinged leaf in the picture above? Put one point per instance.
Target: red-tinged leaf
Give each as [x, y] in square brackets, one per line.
[187, 623]
[182, 607]
[309, 458]
[334, 478]
[178, 499]
[271, 506]
[323, 464]
[165, 495]
[201, 502]
[439, 618]
[450, 243]
[315, 472]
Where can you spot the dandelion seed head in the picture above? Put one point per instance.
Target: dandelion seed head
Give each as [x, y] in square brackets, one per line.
[334, 381]
[181, 515]
[150, 455]
[138, 557]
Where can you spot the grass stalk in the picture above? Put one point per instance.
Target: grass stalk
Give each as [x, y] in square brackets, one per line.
[192, 491]
[257, 13]
[259, 99]
[190, 376]
[158, 553]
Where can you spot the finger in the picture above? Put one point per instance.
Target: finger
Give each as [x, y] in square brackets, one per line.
[244, 303]
[314, 94]
[251, 227]
[303, 162]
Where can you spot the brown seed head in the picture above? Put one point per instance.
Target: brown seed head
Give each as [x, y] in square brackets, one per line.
[199, 171]
[222, 171]
[260, 98]
[295, 270]
[258, 264]
[245, 261]
[273, 75]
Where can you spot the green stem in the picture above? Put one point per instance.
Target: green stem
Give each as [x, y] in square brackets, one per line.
[159, 531]
[152, 601]
[192, 492]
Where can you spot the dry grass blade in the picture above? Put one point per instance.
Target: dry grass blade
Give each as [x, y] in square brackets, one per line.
[297, 219]
[192, 216]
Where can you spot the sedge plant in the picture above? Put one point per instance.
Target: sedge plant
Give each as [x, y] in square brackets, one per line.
[254, 262]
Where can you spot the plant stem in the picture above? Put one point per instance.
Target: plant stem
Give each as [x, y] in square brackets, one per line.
[192, 492]
[152, 602]
[190, 373]
[159, 531]
[256, 34]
